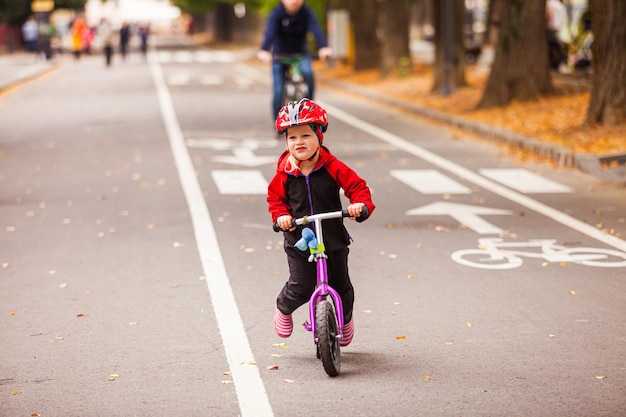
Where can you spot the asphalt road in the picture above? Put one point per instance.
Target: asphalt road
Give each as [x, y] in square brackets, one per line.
[139, 268]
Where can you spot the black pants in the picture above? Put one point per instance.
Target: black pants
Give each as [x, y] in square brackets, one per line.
[303, 276]
[108, 53]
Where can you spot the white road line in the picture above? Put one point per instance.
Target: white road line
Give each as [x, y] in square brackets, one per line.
[211, 79]
[525, 181]
[238, 182]
[429, 181]
[253, 400]
[178, 79]
[475, 178]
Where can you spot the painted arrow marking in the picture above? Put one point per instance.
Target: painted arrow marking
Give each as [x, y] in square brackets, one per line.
[464, 214]
[245, 157]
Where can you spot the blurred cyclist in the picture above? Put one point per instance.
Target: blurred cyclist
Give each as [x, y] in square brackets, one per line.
[286, 34]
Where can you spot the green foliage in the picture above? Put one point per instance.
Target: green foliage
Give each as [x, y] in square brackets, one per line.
[318, 6]
[202, 6]
[14, 11]
[70, 4]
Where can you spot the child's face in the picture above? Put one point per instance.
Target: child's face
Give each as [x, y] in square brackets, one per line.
[302, 142]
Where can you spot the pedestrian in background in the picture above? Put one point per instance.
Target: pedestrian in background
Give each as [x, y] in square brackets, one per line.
[107, 36]
[77, 33]
[144, 32]
[558, 34]
[124, 39]
[30, 33]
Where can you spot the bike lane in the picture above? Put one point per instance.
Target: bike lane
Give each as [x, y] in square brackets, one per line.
[442, 329]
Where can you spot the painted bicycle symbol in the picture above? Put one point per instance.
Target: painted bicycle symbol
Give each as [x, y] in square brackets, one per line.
[494, 253]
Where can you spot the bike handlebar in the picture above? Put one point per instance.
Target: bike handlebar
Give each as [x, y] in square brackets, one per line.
[365, 213]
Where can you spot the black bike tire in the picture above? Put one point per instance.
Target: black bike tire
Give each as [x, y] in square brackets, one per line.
[327, 337]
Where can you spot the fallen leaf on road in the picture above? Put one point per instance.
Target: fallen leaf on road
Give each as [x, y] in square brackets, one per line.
[572, 292]
[426, 378]
[400, 337]
[64, 285]
[280, 345]
[113, 377]
[601, 377]
[227, 373]
[272, 368]
[468, 324]
[289, 381]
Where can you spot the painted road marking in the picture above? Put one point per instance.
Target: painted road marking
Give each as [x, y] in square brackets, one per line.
[251, 394]
[525, 181]
[240, 182]
[211, 79]
[475, 178]
[467, 215]
[429, 181]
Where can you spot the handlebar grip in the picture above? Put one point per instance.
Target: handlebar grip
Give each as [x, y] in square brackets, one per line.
[365, 213]
[277, 228]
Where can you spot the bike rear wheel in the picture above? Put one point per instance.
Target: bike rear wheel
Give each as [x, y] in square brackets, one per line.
[328, 348]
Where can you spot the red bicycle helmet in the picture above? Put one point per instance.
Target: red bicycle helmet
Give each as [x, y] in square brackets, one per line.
[303, 112]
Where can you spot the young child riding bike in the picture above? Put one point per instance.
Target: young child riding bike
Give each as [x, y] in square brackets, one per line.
[308, 180]
[286, 34]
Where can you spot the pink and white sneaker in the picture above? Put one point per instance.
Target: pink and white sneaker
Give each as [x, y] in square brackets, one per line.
[348, 333]
[283, 324]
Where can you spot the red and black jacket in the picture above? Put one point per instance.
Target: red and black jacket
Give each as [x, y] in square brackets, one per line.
[298, 195]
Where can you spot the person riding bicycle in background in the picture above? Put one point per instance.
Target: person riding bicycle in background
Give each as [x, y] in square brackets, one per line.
[286, 34]
[308, 181]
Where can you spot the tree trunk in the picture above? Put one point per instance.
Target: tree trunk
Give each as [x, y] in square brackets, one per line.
[367, 47]
[394, 25]
[607, 104]
[520, 70]
[458, 65]
[224, 22]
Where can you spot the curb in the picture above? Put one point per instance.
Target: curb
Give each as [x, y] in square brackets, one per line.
[562, 156]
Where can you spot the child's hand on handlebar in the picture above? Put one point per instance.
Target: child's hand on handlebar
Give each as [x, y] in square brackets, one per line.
[285, 222]
[355, 210]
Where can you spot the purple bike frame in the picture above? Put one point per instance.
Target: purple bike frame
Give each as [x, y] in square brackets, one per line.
[322, 291]
[322, 288]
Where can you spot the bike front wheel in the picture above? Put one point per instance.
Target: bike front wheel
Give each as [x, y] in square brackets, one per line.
[328, 337]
